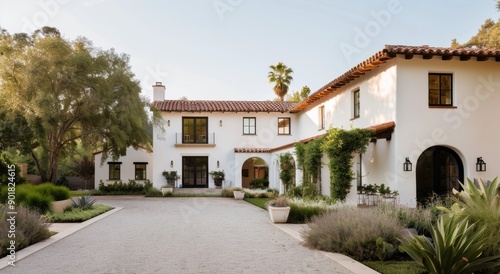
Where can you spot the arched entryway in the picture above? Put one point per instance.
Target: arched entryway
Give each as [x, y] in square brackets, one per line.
[439, 169]
[253, 168]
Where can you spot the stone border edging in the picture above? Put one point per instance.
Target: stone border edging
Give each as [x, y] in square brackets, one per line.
[27, 251]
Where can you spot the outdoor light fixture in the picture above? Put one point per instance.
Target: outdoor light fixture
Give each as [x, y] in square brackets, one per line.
[480, 164]
[220, 123]
[218, 164]
[168, 122]
[171, 163]
[407, 164]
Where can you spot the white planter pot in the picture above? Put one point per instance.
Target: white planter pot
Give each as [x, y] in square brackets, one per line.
[278, 214]
[239, 195]
[165, 190]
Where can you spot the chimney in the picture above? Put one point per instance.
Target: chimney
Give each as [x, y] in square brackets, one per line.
[158, 92]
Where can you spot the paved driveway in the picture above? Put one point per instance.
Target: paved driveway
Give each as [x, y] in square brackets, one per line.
[178, 235]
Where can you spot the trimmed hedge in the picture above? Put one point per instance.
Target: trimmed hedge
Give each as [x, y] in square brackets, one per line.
[36, 197]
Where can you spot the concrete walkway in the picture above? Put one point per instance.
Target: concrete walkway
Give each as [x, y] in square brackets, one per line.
[179, 235]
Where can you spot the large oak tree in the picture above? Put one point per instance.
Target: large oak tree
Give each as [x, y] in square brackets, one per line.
[56, 93]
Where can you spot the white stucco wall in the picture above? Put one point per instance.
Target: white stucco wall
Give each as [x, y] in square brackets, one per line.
[127, 168]
[227, 137]
[468, 128]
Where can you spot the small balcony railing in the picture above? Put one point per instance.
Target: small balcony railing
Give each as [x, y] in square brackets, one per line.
[199, 139]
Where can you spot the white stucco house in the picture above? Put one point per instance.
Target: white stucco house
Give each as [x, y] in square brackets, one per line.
[433, 108]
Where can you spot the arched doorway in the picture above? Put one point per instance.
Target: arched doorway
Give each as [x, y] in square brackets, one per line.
[439, 169]
[253, 168]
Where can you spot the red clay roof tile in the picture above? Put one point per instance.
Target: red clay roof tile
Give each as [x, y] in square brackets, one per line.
[223, 106]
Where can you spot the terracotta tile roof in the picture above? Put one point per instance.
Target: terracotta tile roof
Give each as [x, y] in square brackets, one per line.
[223, 106]
[391, 51]
[383, 130]
[252, 150]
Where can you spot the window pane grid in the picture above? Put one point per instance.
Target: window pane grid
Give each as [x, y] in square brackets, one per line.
[440, 89]
[195, 130]
[283, 126]
[249, 125]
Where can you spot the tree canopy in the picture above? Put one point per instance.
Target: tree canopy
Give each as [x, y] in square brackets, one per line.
[488, 36]
[281, 76]
[298, 96]
[58, 93]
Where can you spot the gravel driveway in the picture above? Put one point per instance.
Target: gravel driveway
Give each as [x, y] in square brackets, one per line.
[178, 235]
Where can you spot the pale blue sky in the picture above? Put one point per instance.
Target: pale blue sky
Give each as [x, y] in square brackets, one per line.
[222, 49]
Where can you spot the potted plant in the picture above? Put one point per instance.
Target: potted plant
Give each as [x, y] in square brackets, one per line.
[371, 194]
[218, 177]
[238, 193]
[387, 195]
[171, 177]
[278, 210]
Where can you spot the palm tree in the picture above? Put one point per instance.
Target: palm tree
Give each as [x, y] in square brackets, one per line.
[280, 76]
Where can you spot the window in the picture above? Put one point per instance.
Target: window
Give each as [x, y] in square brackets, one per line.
[440, 89]
[194, 130]
[114, 170]
[140, 171]
[321, 117]
[283, 126]
[195, 171]
[356, 105]
[249, 125]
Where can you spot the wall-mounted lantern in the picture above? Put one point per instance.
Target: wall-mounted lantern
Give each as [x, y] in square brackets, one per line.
[168, 122]
[220, 123]
[480, 164]
[171, 163]
[407, 164]
[218, 164]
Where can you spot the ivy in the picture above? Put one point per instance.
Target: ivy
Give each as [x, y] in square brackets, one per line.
[340, 146]
[286, 169]
[309, 160]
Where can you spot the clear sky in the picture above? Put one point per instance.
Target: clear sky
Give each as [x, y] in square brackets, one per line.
[222, 49]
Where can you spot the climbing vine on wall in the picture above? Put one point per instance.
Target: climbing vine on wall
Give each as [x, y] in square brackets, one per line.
[340, 146]
[287, 170]
[309, 160]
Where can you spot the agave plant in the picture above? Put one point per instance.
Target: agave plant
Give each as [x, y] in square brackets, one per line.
[480, 203]
[83, 202]
[456, 249]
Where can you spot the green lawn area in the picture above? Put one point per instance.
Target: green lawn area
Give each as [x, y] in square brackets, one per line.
[76, 215]
[260, 202]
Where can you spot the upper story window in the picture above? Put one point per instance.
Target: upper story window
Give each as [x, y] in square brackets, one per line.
[249, 125]
[114, 170]
[283, 126]
[440, 89]
[195, 130]
[356, 104]
[321, 117]
[140, 171]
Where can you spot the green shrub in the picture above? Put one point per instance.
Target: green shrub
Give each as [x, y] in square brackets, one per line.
[300, 213]
[456, 248]
[259, 183]
[6, 167]
[228, 191]
[77, 214]
[82, 202]
[38, 202]
[120, 188]
[153, 192]
[421, 219]
[295, 192]
[58, 193]
[352, 231]
[30, 229]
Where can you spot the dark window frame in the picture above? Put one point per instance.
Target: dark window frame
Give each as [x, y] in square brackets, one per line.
[356, 98]
[440, 90]
[197, 138]
[136, 169]
[289, 126]
[112, 172]
[321, 117]
[250, 126]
